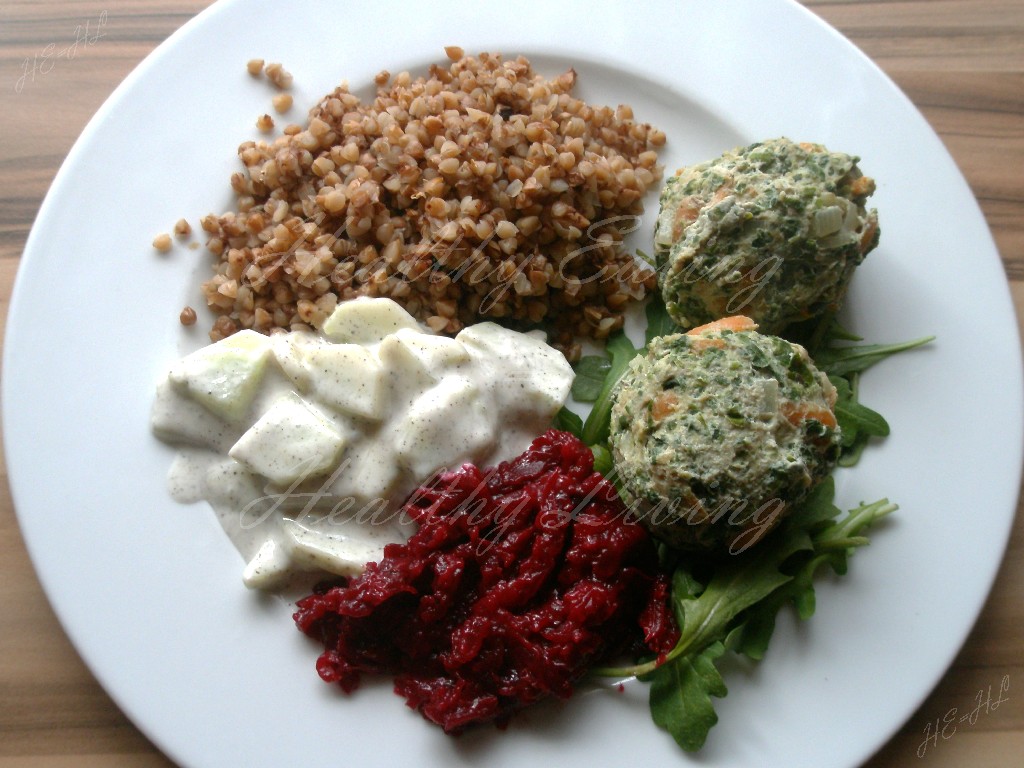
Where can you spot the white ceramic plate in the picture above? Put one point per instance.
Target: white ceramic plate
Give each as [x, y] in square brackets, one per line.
[150, 592]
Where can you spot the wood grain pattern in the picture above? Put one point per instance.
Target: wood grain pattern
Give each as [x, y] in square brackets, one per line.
[960, 61]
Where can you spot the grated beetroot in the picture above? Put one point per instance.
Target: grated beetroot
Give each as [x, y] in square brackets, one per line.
[517, 581]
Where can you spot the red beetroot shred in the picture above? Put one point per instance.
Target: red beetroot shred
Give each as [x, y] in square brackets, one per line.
[517, 581]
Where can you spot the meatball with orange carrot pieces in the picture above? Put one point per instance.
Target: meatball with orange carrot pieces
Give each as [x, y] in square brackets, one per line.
[773, 231]
[716, 433]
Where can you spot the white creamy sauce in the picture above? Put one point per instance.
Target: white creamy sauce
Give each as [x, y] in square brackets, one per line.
[306, 445]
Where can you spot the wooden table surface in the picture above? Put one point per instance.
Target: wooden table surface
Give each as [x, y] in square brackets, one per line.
[960, 61]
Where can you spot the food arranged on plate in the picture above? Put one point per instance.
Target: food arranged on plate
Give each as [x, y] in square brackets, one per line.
[307, 443]
[480, 191]
[383, 417]
[774, 231]
[717, 432]
[518, 578]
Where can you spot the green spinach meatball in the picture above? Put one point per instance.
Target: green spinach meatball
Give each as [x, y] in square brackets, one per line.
[716, 433]
[772, 231]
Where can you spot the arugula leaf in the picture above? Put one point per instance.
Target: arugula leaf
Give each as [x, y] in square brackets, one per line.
[738, 583]
[659, 323]
[646, 258]
[857, 358]
[752, 635]
[568, 421]
[681, 692]
[737, 608]
[743, 617]
[597, 375]
[843, 363]
[602, 460]
[836, 332]
[857, 422]
[816, 511]
[620, 351]
[840, 539]
[855, 418]
[591, 371]
[732, 603]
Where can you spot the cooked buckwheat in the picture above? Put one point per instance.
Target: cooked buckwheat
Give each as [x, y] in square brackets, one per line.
[480, 191]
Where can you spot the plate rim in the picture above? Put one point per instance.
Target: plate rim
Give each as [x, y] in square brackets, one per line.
[151, 61]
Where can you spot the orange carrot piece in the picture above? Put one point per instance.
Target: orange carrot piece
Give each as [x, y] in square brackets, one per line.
[868, 237]
[732, 323]
[686, 214]
[795, 413]
[664, 404]
[699, 344]
[862, 186]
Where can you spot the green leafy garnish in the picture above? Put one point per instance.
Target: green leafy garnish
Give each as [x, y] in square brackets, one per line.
[647, 258]
[620, 351]
[730, 604]
[735, 607]
[854, 417]
[597, 375]
[843, 363]
[602, 460]
[591, 372]
[659, 322]
[848, 359]
[681, 694]
[857, 422]
[568, 421]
